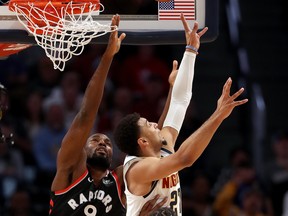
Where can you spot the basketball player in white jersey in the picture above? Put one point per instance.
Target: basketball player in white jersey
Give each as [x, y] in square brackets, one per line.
[152, 165]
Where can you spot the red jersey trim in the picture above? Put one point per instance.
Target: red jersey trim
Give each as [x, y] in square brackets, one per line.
[51, 206]
[59, 192]
[118, 186]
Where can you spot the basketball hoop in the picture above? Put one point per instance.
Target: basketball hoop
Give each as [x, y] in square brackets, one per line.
[61, 28]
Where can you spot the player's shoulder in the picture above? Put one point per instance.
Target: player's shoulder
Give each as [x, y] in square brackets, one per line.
[118, 170]
[129, 159]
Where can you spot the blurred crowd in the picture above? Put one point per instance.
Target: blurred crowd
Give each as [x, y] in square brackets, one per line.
[44, 101]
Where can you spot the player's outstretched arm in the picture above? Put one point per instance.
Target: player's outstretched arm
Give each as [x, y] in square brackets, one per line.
[71, 156]
[182, 89]
[193, 146]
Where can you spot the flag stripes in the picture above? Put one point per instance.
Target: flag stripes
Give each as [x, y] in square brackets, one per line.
[171, 10]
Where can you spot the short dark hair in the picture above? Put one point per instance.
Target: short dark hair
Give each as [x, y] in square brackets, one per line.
[126, 134]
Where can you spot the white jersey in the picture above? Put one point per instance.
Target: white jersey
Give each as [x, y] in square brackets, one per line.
[166, 187]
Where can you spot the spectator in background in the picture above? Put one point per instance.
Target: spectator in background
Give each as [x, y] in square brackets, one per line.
[20, 204]
[275, 176]
[152, 93]
[86, 63]
[31, 122]
[121, 106]
[197, 200]
[34, 113]
[238, 156]
[136, 70]
[11, 164]
[43, 77]
[253, 203]
[47, 141]
[122, 102]
[69, 94]
[241, 195]
[14, 76]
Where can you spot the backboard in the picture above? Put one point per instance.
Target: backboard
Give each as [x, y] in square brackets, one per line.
[144, 22]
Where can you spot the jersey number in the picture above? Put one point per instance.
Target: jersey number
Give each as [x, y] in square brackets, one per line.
[90, 210]
[175, 199]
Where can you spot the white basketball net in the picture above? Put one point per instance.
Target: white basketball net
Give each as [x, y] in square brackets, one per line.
[65, 37]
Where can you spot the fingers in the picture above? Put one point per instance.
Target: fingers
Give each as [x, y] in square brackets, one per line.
[115, 22]
[235, 95]
[160, 204]
[185, 23]
[226, 91]
[175, 65]
[238, 103]
[122, 36]
[149, 204]
[116, 19]
[203, 31]
[227, 86]
[195, 27]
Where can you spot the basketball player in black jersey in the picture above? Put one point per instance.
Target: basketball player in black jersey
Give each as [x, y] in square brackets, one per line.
[83, 184]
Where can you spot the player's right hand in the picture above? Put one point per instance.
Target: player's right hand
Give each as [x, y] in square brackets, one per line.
[150, 206]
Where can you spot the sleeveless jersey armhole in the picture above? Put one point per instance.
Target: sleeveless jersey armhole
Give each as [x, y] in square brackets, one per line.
[77, 181]
[118, 185]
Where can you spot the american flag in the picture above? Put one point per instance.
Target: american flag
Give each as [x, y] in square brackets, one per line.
[171, 10]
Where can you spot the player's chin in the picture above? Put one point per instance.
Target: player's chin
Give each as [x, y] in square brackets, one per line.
[102, 154]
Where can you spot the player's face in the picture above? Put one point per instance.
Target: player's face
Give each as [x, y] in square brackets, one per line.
[151, 131]
[99, 151]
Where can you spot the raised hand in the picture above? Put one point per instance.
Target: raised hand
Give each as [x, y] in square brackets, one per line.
[227, 103]
[115, 41]
[192, 37]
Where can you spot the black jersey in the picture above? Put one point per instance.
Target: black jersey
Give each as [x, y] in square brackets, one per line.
[85, 199]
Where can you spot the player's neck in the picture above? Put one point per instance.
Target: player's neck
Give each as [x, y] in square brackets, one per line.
[97, 174]
[149, 153]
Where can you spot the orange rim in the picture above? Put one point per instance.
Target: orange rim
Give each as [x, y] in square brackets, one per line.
[58, 4]
[49, 12]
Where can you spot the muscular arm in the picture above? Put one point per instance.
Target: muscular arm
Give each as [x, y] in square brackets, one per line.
[71, 160]
[191, 148]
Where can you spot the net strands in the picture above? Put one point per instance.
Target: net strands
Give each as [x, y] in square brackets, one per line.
[61, 31]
